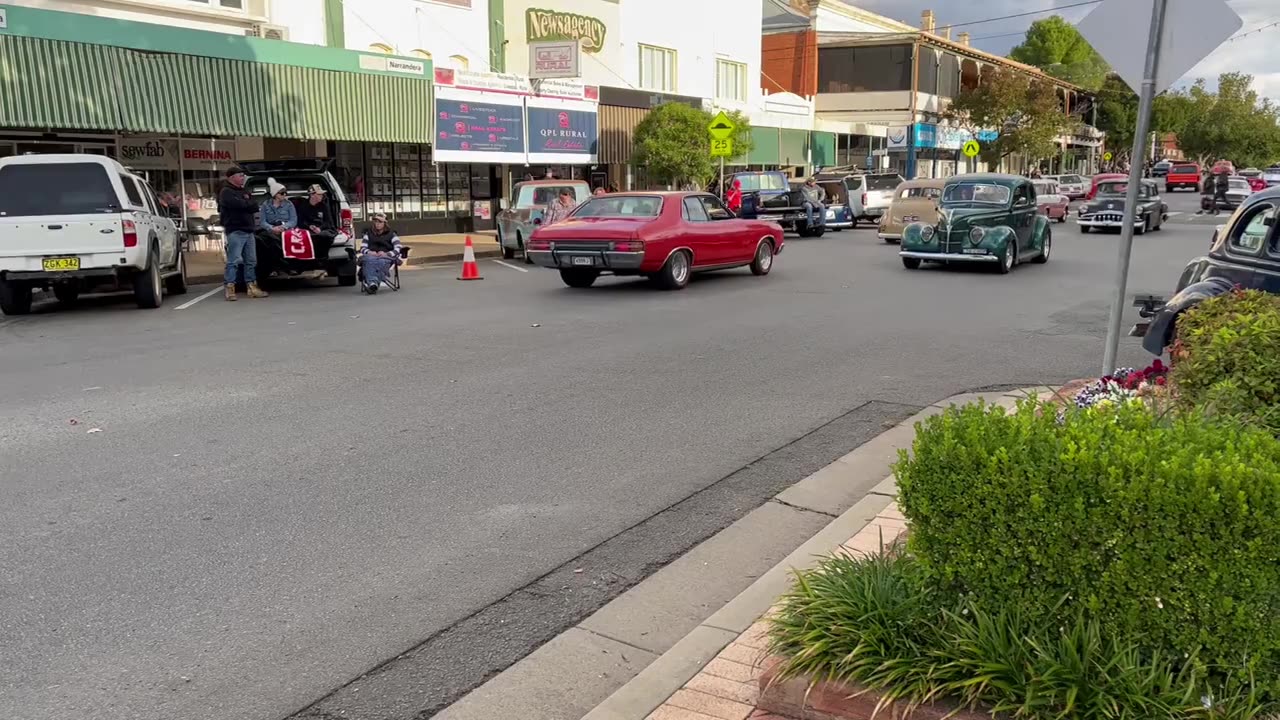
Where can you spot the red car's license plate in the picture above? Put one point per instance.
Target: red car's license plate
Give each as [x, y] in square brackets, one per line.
[584, 261]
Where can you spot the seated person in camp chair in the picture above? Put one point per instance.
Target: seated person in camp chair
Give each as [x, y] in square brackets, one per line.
[379, 253]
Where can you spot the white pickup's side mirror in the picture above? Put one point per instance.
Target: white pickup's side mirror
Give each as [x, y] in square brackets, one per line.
[502, 203]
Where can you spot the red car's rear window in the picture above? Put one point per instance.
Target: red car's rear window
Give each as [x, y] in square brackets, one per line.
[1185, 170]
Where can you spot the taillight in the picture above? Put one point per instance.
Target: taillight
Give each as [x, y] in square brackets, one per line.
[864, 199]
[627, 246]
[536, 244]
[348, 222]
[130, 233]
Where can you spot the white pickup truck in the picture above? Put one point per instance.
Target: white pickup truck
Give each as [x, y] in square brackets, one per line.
[81, 223]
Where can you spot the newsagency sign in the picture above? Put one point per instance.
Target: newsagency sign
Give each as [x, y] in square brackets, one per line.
[543, 24]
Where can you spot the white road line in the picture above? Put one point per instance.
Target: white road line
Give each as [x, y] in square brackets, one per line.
[1173, 213]
[517, 268]
[205, 296]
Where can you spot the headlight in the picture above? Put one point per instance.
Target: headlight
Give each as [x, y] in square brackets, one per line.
[926, 233]
[975, 235]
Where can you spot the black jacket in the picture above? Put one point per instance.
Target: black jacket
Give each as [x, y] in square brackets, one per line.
[317, 215]
[236, 208]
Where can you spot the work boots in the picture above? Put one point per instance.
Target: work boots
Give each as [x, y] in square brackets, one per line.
[257, 292]
[230, 292]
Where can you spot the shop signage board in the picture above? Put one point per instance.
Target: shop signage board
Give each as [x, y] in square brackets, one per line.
[897, 137]
[560, 132]
[4, 19]
[148, 153]
[554, 59]
[466, 130]
[586, 31]
[385, 63]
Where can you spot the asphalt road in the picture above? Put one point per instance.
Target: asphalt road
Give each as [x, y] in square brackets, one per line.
[286, 493]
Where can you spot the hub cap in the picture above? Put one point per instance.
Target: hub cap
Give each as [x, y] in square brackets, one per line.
[766, 256]
[679, 267]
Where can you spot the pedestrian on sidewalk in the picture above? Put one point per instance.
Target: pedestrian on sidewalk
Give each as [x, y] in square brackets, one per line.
[733, 198]
[236, 209]
[379, 252]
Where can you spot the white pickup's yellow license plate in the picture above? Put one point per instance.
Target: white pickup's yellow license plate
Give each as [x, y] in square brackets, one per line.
[61, 264]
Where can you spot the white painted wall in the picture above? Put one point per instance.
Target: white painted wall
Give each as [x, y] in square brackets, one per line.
[174, 14]
[444, 30]
[303, 18]
[600, 66]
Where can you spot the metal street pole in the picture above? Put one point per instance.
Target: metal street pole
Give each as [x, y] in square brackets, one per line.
[1145, 100]
[722, 188]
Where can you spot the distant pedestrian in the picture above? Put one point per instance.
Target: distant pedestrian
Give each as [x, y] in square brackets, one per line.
[599, 190]
[733, 198]
[612, 188]
[236, 209]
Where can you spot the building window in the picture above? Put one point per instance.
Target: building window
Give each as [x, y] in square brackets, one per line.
[381, 48]
[420, 53]
[223, 4]
[657, 68]
[731, 80]
[882, 68]
[459, 62]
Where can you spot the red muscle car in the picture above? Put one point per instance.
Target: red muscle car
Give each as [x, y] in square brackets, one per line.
[665, 236]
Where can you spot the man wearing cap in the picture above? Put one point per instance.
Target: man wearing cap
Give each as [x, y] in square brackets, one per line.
[236, 209]
[314, 215]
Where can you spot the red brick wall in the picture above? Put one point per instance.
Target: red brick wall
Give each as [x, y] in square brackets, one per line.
[789, 63]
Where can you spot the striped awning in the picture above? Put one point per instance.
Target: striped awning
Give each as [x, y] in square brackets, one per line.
[66, 85]
[617, 132]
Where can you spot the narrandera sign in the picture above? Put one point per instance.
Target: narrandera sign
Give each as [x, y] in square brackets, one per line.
[555, 25]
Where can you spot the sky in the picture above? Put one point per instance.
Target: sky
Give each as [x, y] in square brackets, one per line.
[1257, 54]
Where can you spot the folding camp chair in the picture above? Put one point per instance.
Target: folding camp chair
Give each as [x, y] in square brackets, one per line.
[393, 278]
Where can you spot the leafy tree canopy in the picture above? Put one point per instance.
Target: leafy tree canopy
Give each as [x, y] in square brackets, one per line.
[1056, 47]
[673, 144]
[1025, 111]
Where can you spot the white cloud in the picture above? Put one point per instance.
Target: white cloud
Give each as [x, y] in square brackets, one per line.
[1257, 54]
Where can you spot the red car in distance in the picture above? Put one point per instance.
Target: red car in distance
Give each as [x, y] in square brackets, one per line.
[665, 236]
[1099, 179]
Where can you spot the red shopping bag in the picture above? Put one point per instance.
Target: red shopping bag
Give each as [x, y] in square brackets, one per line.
[297, 245]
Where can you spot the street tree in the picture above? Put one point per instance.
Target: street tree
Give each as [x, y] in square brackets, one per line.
[1233, 123]
[1025, 112]
[1056, 47]
[672, 143]
[1118, 114]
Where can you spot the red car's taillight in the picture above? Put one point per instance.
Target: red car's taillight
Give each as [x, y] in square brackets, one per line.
[536, 244]
[348, 222]
[627, 246]
[130, 233]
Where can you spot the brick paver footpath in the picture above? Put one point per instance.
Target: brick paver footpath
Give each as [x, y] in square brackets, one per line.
[727, 688]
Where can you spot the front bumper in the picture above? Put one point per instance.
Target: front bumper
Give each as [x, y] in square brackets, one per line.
[1094, 223]
[947, 257]
[889, 236]
[603, 261]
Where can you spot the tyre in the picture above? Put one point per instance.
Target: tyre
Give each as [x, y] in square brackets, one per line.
[177, 284]
[1063, 218]
[818, 231]
[803, 231]
[1085, 229]
[148, 290]
[763, 261]
[15, 298]
[674, 275]
[911, 263]
[524, 252]
[1043, 257]
[508, 253]
[579, 278]
[67, 293]
[347, 280]
[1010, 257]
[1168, 188]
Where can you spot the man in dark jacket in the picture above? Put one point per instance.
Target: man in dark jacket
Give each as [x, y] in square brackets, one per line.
[236, 209]
[1221, 179]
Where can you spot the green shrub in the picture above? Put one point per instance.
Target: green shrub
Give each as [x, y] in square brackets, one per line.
[1228, 357]
[874, 622]
[1164, 531]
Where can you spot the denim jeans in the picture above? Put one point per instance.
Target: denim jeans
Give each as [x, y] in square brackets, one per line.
[242, 247]
[810, 208]
[377, 269]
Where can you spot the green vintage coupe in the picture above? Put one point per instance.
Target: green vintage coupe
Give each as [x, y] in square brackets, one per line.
[984, 218]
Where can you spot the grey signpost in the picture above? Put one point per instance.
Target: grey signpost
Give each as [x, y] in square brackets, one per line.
[1189, 30]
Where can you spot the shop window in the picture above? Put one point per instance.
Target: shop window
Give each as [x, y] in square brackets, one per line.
[885, 68]
[379, 182]
[657, 68]
[382, 48]
[458, 189]
[731, 80]
[408, 181]
[348, 170]
[459, 62]
[434, 202]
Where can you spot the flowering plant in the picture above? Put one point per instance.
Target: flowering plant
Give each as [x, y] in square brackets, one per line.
[1124, 385]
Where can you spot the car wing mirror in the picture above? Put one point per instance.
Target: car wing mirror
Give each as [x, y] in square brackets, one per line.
[537, 221]
[502, 203]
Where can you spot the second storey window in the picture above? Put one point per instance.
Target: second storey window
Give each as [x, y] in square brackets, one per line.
[657, 68]
[731, 80]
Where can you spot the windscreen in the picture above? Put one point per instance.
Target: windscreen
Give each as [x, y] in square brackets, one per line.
[920, 192]
[976, 193]
[1185, 170]
[1113, 189]
[1072, 179]
[61, 189]
[625, 206]
[538, 195]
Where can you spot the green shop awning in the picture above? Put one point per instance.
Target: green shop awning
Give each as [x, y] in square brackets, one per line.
[764, 150]
[178, 81]
[823, 148]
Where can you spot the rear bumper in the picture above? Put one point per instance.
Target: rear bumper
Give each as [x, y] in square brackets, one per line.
[97, 273]
[602, 261]
[889, 236]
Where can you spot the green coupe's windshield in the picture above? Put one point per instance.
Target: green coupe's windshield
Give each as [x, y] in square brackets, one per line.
[968, 192]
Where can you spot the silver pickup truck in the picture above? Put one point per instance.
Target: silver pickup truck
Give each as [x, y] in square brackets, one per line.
[529, 199]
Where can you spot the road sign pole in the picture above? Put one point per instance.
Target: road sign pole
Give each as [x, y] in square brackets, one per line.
[1145, 100]
[723, 190]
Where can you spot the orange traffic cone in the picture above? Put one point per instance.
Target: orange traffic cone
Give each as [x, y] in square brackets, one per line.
[470, 270]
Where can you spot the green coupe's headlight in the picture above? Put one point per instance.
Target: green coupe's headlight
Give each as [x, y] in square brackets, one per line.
[926, 233]
[975, 235]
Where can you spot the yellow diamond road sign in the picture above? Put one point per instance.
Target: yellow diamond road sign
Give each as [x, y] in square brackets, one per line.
[1106, 156]
[971, 148]
[721, 127]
